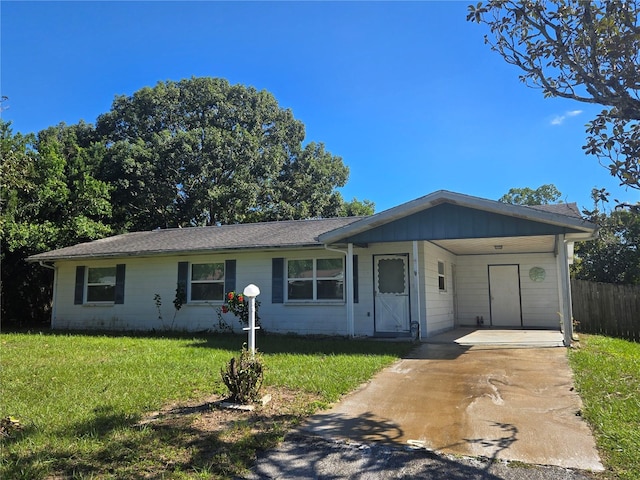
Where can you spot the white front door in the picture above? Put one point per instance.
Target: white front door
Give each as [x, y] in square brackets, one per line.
[391, 293]
[504, 292]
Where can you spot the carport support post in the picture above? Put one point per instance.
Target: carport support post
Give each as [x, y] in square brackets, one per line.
[349, 292]
[416, 275]
[565, 288]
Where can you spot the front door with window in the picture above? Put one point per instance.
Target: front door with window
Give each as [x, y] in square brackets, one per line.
[391, 294]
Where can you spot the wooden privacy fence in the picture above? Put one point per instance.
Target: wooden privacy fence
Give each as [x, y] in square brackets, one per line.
[606, 309]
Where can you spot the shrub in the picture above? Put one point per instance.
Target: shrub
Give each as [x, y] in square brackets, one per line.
[236, 304]
[243, 377]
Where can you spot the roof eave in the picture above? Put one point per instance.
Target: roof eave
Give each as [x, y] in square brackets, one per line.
[163, 253]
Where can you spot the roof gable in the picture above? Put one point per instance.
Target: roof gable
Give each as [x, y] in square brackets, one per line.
[444, 215]
[449, 221]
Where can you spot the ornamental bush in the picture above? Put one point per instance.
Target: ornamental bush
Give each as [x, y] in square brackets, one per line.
[243, 377]
[236, 304]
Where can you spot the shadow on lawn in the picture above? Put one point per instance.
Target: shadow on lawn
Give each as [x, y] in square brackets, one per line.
[115, 445]
[244, 444]
[265, 342]
[307, 345]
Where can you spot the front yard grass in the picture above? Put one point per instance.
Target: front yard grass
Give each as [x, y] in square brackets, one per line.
[607, 375]
[98, 406]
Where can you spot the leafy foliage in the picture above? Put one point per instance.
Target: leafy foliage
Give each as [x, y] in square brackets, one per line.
[203, 152]
[585, 51]
[542, 195]
[357, 208]
[244, 376]
[50, 198]
[235, 303]
[613, 257]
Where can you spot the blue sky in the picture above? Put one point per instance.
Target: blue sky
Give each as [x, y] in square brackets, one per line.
[407, 94]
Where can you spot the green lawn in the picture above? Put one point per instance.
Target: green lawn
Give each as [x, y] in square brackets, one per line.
[79, 400]
[607, 374]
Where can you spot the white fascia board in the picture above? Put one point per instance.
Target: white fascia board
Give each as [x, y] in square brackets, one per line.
[582, 237]
[165, 253]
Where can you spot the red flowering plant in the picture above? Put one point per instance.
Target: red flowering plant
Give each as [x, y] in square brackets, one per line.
[235, 303]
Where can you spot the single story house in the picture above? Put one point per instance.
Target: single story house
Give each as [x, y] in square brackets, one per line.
[421, 268]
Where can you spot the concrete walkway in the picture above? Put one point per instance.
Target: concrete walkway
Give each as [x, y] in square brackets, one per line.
[495, 402]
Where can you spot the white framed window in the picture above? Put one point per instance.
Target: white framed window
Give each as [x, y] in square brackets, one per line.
[442, 277]
[101, 284]
[207, 282]
[315, 279]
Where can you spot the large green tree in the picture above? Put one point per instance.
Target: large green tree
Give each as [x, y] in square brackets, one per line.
[586, 51]
[50, 198]
[202, 152]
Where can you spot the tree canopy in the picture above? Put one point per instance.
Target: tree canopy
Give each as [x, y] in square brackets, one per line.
[542, 195]
[201, 152]
[587, 51]
[50, 198]
[614, 256]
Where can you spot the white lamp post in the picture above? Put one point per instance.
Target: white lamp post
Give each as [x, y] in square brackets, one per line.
[251, 291]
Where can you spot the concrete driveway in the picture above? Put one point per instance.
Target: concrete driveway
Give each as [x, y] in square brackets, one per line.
[509, 403]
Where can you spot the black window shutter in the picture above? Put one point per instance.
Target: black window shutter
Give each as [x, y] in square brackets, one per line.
[229, 276]
[183, 278]
[355, 279]
[277, 280]
[78, 298]
[119, 290]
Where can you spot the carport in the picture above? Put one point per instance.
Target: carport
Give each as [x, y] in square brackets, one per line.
[448, 260]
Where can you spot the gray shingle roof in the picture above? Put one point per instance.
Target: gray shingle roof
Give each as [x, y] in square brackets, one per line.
[296, 233]
[293, 233]
[568, 209]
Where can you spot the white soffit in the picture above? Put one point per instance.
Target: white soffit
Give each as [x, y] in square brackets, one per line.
[499, 245]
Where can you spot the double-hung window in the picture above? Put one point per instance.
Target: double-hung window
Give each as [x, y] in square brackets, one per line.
[101, 284]
[207, 281]
[315, 279]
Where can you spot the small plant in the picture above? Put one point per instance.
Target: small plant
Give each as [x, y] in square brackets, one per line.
[178, 301]
[180, 298]
[236, 304]
[223, 326]
[243, 377]
[157, 299]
